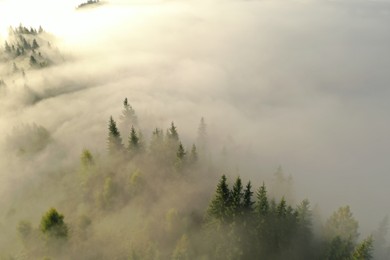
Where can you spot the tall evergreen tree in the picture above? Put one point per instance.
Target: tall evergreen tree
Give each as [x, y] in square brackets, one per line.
[237, 196]
[172, 133]
[133, 141]
[181, 152]
[262, 205]
[247, 199]
[220, 205]
[114, 137]
[35, 44]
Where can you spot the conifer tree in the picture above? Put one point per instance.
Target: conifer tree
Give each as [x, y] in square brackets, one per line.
[220, 205]
[33, 61]
[247, 199]
[172, 132]
[35, 45]
[363, 251]
[181, 152]
[262, 205]
[237, 195]
[133, 140]
[52, 224]
[342, 223]
[114, 138]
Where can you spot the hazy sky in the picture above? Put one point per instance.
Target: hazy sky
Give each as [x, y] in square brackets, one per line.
[302, 84]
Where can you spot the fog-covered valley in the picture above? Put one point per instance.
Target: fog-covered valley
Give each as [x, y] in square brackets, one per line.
[293, 94]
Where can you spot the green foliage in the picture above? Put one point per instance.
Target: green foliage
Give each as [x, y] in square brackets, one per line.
[114, 137]
[237, 196]
[86, 159]
[262, 205]
[339, 248]
[247, 198]
[158, 215]
[363, 251]
[181, 153]
[134, 144]
[53, 225]
[219, 207]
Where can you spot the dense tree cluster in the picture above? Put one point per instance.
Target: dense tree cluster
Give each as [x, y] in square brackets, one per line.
[24, 43]
[151, 198]
[266, 229]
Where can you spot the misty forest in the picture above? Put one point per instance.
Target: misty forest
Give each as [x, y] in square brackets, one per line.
[194, 130]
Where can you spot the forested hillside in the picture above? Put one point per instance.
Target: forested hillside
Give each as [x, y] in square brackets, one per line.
[152, 199]
[194, 130]
[27, 48]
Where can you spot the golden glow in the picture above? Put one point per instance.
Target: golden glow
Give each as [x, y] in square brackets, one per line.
[61, 18]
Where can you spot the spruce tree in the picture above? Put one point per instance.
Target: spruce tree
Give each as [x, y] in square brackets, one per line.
[133, 140]
[35, 44]
[172, 132]
[220, 205]
[262, 205]
[237, 196]
[247, 199]
[114, 138]
[180, 152]
[52, 224]
[33, 61]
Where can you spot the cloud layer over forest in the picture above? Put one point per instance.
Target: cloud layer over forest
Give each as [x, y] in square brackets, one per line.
[302, 84]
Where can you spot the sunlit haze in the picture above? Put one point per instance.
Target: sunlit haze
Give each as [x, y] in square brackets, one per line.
[301, 84]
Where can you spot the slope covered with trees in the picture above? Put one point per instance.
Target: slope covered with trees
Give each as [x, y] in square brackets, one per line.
[152, 198]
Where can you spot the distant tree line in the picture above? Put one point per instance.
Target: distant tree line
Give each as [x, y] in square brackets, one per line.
[89, 2]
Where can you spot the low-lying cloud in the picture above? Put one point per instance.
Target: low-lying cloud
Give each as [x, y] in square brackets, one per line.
[302, 84]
